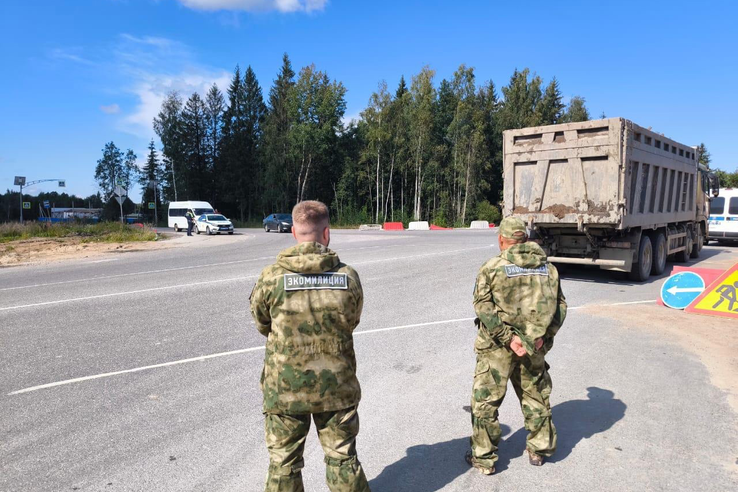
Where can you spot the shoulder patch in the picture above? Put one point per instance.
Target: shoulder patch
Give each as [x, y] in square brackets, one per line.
[516, 271]
[317, 281]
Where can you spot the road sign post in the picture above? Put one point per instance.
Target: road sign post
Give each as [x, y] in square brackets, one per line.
[120, 194]
[154, 184]
[681, 289]
[21, 182]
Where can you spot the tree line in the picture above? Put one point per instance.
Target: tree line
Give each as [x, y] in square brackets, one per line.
[10, 204]
[422, 150]
[425, 150]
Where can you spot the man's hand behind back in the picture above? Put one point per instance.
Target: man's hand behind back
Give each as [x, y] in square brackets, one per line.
[516, 345]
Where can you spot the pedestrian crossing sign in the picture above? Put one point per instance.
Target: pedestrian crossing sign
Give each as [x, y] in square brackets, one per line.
[720, 298]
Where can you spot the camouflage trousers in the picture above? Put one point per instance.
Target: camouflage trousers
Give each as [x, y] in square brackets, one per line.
[532, 384]
[285, 437]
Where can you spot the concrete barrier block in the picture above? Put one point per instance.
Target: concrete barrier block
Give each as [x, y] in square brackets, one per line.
[418, 226]
[370, 227]
[479, 224]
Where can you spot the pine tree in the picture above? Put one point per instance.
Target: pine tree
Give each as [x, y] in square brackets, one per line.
[150, 177]
[214, 106]
[521, 97]
[254, 111]
[197, 173]
[577, 111]
[489, 104]
[168, 126]
[551, 107]
[705, 157]
[276, 149]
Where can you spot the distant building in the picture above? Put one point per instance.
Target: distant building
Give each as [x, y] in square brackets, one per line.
[63, 214]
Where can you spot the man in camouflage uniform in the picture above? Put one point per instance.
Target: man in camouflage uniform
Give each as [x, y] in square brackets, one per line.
[519, 307]
[308, 305]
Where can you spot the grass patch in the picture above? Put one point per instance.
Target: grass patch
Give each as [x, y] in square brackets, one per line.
[104, 232]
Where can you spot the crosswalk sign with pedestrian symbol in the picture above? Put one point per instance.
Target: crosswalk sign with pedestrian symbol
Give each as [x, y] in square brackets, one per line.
[681, 289]
[720, 298]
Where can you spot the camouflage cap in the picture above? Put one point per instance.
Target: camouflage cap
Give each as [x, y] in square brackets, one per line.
[510, 226]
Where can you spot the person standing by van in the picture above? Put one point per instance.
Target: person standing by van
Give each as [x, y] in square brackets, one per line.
[190, 215]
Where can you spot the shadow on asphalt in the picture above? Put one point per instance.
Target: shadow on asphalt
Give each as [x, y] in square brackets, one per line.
[582, 273]
[426, 467]
[575, 420]
[430, 467]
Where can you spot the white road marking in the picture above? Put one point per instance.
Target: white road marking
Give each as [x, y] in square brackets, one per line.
[137, 369]
[613, 304]
[105, 277]
[430, 323]
[164, 270]
[255, 349]
[154, 289]
[115, 294]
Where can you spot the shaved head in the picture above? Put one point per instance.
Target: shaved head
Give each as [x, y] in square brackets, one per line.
[311, 222]
[517, 238]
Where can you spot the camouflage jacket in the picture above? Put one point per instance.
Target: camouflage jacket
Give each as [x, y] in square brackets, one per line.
[307, 305]
[518, 293]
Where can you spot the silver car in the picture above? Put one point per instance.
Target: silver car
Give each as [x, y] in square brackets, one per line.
[213, 224]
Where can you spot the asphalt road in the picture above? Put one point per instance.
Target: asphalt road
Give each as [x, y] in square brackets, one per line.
[102, 386]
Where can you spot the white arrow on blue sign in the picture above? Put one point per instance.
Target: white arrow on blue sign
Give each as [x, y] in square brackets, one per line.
[681, 289]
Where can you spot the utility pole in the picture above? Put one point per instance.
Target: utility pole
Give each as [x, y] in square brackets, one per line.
[156, 208]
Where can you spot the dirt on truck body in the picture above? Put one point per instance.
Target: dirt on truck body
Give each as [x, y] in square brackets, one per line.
[608, 193]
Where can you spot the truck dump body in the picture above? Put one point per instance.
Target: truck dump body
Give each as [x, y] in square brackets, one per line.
[607, 173]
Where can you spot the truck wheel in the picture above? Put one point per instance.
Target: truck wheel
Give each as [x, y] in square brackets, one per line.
[641, 270]
[698, 242]
[659, 254]
[683, 256]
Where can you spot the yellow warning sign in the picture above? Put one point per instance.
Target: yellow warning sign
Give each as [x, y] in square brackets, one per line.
[720, 298]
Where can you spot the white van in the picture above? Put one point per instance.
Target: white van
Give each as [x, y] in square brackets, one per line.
[724, 216]
[177, 211]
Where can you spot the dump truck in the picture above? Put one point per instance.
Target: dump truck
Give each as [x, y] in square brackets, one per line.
[608, 193]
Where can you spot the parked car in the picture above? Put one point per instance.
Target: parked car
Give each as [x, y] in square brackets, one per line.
[213, 224]
[278, 222]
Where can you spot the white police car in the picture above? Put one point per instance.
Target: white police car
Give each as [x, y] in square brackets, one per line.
[213, 224]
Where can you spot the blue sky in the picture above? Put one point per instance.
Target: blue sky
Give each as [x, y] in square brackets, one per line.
[78, 74]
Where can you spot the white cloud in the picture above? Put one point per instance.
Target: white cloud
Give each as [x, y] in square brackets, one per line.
[256, 5]
[69, 55]
[153, 67]
[110, 109]
[152, 88]
[348, 118]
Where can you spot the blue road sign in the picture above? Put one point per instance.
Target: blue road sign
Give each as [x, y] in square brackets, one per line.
[47, 204]
[681, 289]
